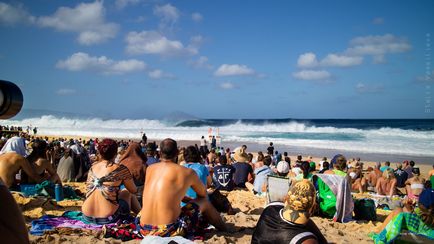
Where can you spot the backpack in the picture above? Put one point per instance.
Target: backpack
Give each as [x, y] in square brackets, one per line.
[364, 209]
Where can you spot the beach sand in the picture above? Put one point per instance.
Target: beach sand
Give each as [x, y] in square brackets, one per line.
[247, 206]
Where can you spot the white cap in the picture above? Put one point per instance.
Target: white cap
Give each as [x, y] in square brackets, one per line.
[283, 167]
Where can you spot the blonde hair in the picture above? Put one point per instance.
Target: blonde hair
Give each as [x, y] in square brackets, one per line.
[388, 174]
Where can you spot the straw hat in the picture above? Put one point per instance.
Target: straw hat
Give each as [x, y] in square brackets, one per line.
[240, 156]
[299, 202]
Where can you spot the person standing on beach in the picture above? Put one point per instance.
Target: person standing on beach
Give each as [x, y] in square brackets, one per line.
[203, 148]
[165, 187]
[270, 149]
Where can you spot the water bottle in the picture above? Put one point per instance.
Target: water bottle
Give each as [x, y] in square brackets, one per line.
[58, 191]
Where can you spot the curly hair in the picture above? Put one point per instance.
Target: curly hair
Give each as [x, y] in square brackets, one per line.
[108, 148]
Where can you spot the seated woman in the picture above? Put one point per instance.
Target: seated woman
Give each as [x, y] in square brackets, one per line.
[414, 186]
[290, 222]
[358, 183]
[386, 185]
[135, 160]
[105, 201]
[419, 221]
[40, 164]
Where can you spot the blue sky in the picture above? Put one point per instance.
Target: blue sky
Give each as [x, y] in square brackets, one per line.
[221, 59]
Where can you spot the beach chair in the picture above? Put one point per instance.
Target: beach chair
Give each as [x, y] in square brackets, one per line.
[277, 188]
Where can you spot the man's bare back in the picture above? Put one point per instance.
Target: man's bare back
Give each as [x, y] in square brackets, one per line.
[165, 186]
[11, 163]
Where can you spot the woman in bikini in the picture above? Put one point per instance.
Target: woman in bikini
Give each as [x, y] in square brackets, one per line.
[414, 186]
[105, 201]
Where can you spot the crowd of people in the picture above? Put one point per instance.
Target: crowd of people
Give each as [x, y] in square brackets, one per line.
[176, 190]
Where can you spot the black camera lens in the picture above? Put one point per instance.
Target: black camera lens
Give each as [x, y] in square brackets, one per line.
[11, 99]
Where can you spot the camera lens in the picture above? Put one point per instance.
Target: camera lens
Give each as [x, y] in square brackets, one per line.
[11, 99]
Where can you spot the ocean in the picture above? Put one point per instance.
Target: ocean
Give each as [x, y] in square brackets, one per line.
[374, 139]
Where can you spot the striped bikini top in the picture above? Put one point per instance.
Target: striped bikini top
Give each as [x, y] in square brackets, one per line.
[109, 192]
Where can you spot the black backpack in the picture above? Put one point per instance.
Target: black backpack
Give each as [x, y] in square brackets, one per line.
[364, 209]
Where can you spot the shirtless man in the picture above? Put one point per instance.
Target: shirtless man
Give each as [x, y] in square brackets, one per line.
[11, 163]
[165, 187]
[386, 185]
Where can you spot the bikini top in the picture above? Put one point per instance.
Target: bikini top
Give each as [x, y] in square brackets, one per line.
[109, 192]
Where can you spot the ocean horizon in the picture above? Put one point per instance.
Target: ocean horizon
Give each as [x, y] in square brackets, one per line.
[372, 139]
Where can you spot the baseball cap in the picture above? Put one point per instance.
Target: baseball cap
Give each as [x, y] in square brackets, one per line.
[283, 167]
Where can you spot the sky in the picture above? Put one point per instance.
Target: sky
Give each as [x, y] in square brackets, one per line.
[221, 59]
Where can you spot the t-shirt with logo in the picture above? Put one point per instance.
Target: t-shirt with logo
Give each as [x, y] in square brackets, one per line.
[223, 177]
[401, 177]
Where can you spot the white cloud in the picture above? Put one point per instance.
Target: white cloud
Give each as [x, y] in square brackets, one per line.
[378, 45]
[168, 13]
[10, 15]
[336, 60]
[227, 85]
[378, 21]
[86, 19]
[363, 88]
[152, 42]
[201, 62]
[234, 69]
[196, 17]
[83, 62]
[65, 91]
[159, 74]
[120, 4]
[312, 75]
[307, 60]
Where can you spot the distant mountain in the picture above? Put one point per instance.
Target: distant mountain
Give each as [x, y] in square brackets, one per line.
[178, 116]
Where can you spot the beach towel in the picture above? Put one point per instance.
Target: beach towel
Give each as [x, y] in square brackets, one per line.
[342, 191]
[46, 188]
[403, 221]
[69, 219]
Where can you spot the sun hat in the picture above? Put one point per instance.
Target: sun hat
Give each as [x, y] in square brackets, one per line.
[240, 156]
[283, 167]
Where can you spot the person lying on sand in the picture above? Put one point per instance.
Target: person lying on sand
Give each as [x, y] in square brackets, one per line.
[39, 162]
[386, 185]
[105, 201]
[290, 222]
[165, 187]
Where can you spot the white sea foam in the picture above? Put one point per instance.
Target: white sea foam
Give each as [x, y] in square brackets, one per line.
[383, 140]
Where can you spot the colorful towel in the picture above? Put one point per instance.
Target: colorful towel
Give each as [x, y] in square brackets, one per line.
[70, 219]
[403, 221]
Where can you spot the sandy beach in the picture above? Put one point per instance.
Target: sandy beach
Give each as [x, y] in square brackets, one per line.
[247, 206]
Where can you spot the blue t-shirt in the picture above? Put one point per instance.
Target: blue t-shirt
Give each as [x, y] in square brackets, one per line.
[223, 177]
[202, 172]
[384, 168]
[151, 160]
[261, 177]
[242, 171]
